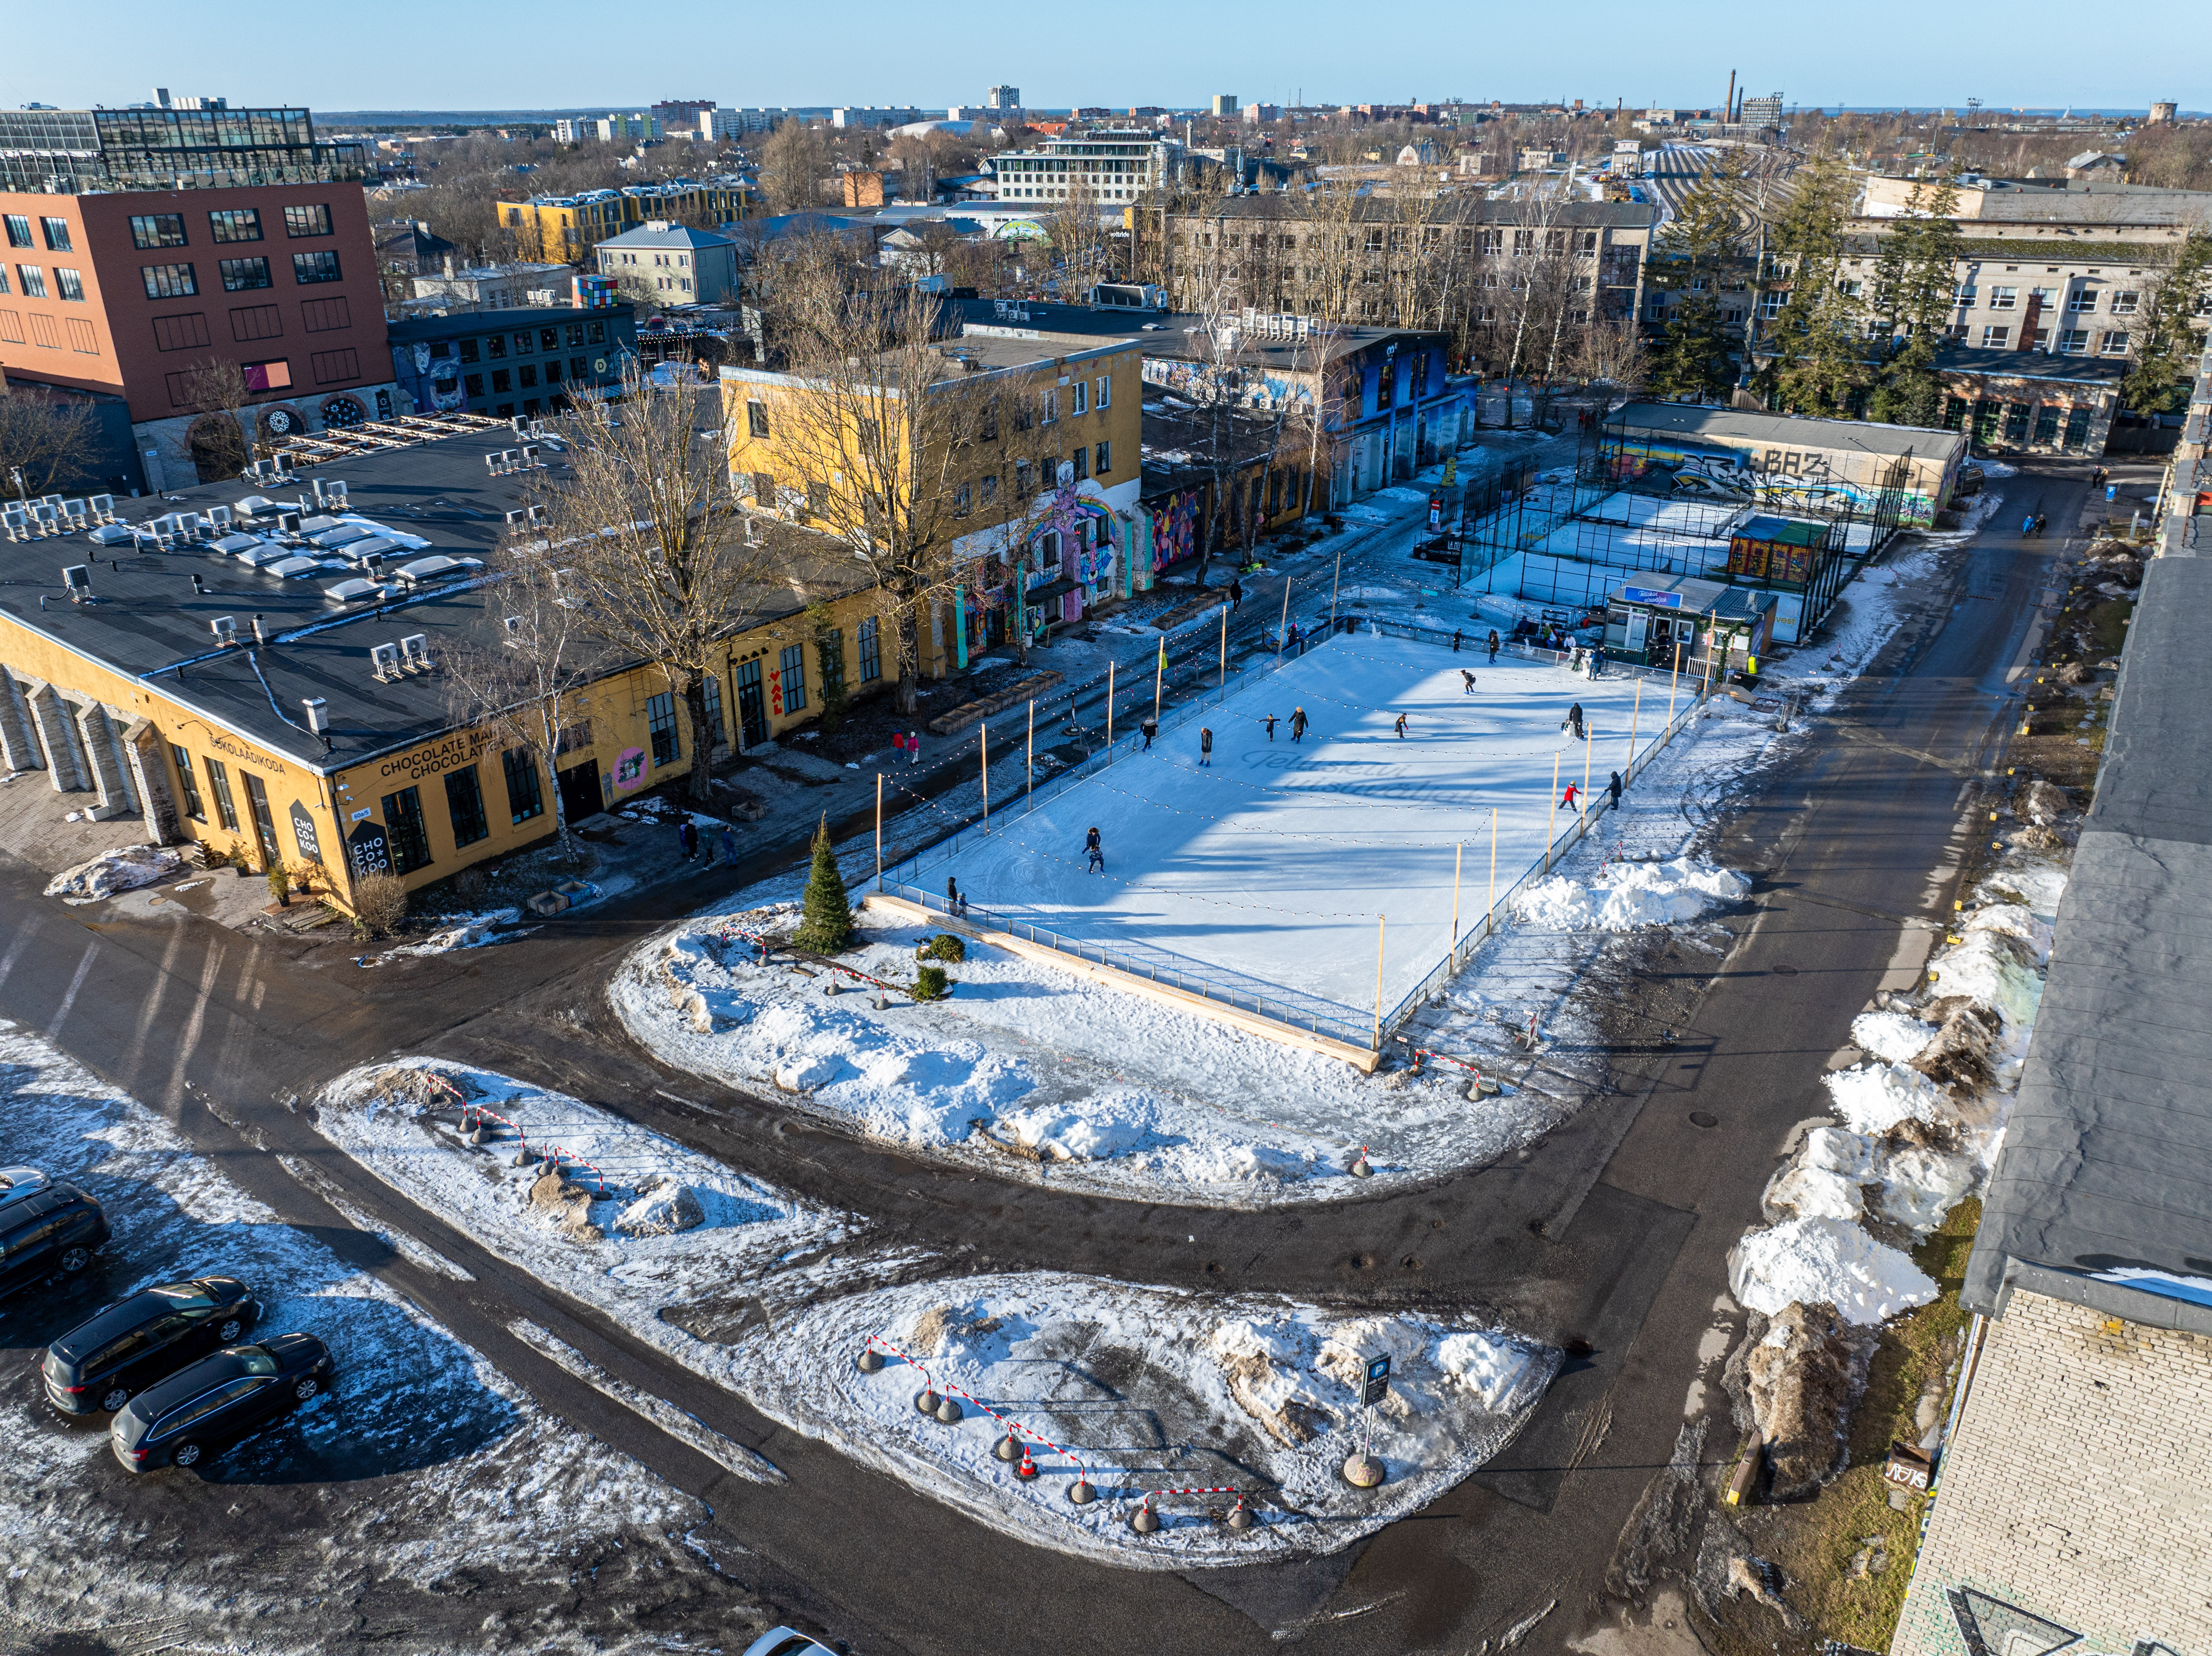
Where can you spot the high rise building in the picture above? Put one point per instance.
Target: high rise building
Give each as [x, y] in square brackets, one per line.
[1224, 103]
[1004, 97]
[1762, 111]
[67, 151]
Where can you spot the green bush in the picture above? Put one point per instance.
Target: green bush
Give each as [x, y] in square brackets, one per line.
[930, 984]
[944, 946]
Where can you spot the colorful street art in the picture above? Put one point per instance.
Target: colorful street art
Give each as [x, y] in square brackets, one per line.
[1174, 528]
[1798, 479]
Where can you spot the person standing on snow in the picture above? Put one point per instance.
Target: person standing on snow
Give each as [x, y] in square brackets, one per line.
[1094, 854]
[1613, 788]
[2040, 520]
[687, 837]
[1401, 727]
[1151, 727]
[1568, 798]
[1269, 721]
[1493, 646]
[954, 902]
[1467, 682]
[1298, 724]
[1236, 592]
[1574, 722]
[1205, 745]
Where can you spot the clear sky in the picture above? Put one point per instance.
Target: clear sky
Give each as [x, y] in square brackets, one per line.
[467, 54]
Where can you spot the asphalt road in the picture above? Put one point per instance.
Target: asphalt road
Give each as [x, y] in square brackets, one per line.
[1613, 1233]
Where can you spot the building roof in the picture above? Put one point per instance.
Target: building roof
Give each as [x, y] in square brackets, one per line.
[2105, 1158]
[1168, 333]
[461, 322]
[660, 233]
[2106, 372]
[1463, 207]
[1744, 426]
[1690, 595]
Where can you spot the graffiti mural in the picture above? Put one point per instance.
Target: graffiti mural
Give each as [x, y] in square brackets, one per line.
[1785, 477]
[1174, 528]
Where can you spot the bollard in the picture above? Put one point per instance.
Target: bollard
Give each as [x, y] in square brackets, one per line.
[830, 985]
[1363, 1471]
[926, 1401]
[1028, 1469]
[1081, 1493]
[478, 1136]
[949, 1412]
[1008, 1447]
[1359, 1167]
[870, 1360]
[1240, 1515]
[523, 1158]
[1144, 1520]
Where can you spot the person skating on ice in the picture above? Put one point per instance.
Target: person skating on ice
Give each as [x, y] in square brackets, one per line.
[1205, 745]
[1493, 646]
[1298, 724]
[1400, 727]
[1269, 721]
[1568, 798]
[1574, 722]
[1094, 854]
[1467, 682]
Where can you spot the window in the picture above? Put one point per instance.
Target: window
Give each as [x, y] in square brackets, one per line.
[69, 284]
[552, 370]
[239, 274]
[494, 348]
[1078, 397]
[527, 373]
[501, 380]
[1022, 489]
[2046, 424]
[2003, 299]
[33, 280]
[1080, 461]
[19, 230]
[2084, 299]
[307, 222]
[1103, 462]
[870, 641]
[2077, 427]
[1105, 391]
[830, 656]
[3, 279]
[576, 334]
[986, 488]
[251, 322]
[661, 727]
[712, 685]
[235, 224]
[468, 353]
[2040, 340]
[325, 315]
[57, 236]
[2015, 422]
[1049, 411]
[464, 802]
[756, 420]
[2114, 344]
[549, 338]
[1022, 418]
[595, 333]
[329, 367]
[524, 342]
[309, 268]
[2073, 341]
[190, 784]
[991, 421]
[580, 367]
[963, 499]
[1769, 305]
[2046, 297]
[525, 796]
[792, 662]
[268, 376]
[2125, 302]
[157, 230]
[168, 281]
[1993, 338]
[404, 832]
[226, 808]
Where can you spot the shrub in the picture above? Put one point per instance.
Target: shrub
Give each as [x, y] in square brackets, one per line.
[280, 881]
[944, 946]
[930, 984]
[380, 902]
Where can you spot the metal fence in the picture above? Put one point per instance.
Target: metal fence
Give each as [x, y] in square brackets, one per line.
[1272, 1002]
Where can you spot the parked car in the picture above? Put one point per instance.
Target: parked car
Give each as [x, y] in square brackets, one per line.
[786, 1641]
[101, 1364]
[47, 1225]
[181, 1420]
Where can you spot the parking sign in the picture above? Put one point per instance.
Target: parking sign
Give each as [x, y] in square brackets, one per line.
[1378, 1381]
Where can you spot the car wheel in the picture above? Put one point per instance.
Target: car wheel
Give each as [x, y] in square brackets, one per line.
[115, 1398]
[305, 1387]
[230, 1330]
[75, 1259]
[187, 1454]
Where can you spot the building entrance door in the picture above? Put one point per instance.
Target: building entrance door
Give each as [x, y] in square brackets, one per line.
[580, 791]
[752, 713]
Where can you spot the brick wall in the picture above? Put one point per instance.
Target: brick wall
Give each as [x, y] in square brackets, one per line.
[2076, 1487]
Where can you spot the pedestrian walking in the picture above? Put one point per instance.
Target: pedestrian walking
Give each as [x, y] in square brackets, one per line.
[2027, 524]
[898, 746]
[1236, 592]
[1269, 721]
[1291, 639]
[1094, 854]
[1493, 646]
[1298, 724]
[1151, 727]
[1401, 727]
[954, 902]
[1205, 745]
[2040, 520]
[1596, 663]
[1455, 640]
[1467, 682]
[1568, 798]
[914, 747]
[687, 837]
[729, 847]
[1613, 788]
[1573, 722]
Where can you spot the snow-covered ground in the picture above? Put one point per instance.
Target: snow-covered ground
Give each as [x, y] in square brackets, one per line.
[1263, 873]
[454, 1471]
[1142, 1388]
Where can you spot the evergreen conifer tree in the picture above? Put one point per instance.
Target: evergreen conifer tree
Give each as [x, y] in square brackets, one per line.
[1697, 248]
[2169, 344]
[1817, 353]
[826, 924]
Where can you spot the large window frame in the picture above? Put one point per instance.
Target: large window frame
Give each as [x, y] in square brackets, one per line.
[240, 276]
[465, 806]
[232, 224]
[309, 269]
[152, 231]
[169, 281]
[307, 219]
[407, 839]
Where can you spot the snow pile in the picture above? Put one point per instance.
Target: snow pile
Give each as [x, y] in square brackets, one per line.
[1915, 1185]
[1629, 894]
[1260, 1395]
[1826, 1260]
[1872, 1098]
[1994, 968]
[123, 869]
[461, 931]
[1891, 1037]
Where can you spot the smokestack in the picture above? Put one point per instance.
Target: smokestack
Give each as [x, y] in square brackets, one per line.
[1728, 109]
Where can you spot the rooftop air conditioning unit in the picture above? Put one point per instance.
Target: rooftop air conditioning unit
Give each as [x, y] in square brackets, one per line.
[415, 649]
[287, 523]
[530, 454]
[78, 577]
[335, 495]
[384, 661]
[515, 519]
[225, 628]
[537, 514]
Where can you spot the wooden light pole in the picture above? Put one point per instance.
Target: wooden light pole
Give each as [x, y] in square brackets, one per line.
[1382, 922]
[1553, 814]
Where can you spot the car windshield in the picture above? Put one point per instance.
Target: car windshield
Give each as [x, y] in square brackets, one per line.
[185, 1293]
[257, 1360]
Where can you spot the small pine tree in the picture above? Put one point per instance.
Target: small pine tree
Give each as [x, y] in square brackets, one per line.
[826, 924]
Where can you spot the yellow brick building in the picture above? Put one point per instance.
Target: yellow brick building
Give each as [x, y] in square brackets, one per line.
[562, 230]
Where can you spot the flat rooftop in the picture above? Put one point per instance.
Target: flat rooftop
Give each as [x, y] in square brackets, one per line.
[1748, 426]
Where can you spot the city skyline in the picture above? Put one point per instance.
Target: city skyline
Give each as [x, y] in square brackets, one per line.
[1431, 52]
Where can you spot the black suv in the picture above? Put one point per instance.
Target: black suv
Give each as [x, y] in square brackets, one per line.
[178, 1421]
[98, 1366]
[48, 1225]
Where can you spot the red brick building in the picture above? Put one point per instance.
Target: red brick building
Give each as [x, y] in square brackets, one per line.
[123, 295]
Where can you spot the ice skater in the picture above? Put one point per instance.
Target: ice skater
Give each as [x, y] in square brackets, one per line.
[1151, 727]
[1205, 745]
[1456, 638]
[1269, 722]
[1467, 682]
[1568, 797]
[1595, 664]
[914, 747]
[1298, 724]
[1613, 788]
[1574, 722]
[1401, 727]
[1493, 646]
[1094, 855]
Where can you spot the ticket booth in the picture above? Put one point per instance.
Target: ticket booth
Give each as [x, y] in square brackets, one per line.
[1657, 619]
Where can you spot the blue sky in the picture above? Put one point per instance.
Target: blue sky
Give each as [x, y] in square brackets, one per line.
[559, 54]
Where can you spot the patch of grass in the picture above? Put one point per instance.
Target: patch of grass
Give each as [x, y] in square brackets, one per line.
[2107, 624]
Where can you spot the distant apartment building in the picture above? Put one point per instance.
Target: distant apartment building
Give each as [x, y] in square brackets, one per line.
[155, 298]
[1760, 111]
[566, 227]
[1005, 98]
[1261, 114]
[873, 115]
[1112, 166]
[677, 264]
[607, 129]
[683, 115]
[1225, 105]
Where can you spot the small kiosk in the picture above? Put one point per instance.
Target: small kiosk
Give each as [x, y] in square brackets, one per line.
[1651, 615]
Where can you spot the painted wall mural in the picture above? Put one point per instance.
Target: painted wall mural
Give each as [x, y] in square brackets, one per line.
[1786, 477]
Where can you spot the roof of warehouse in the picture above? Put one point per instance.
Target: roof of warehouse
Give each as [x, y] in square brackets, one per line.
[1794, 430]
[2107, 1151]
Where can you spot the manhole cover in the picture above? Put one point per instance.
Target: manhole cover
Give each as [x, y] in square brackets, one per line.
[1703, 1118]
[1785, 971]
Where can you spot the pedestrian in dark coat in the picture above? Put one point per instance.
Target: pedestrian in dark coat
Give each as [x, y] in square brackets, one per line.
[729, 847]
[1401, 727]
[1455, 636]
[1298, 724]
[1235, 592]
[1613, 788]
[687, 837]
[1205, 745]
[1151, 727]
[954, 902]
[1493, 646]
[1269, 721]
[1467, 682]
[1574, 722]
[1094, 853]
[2041, 518]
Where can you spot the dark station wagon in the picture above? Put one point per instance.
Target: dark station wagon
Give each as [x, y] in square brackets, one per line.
[180, 1421]
[102, 1364]
[48, 1226]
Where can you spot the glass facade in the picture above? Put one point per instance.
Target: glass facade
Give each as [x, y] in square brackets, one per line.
[73, 151]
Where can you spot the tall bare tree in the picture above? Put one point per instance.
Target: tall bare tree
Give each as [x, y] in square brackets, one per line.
[651, 545]
[222, 441]
[44, 438]
[792, 164]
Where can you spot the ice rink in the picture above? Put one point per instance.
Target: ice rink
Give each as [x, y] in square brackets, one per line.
[1264, 873]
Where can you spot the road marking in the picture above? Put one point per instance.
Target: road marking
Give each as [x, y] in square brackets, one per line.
[76, 984]
[22, 939]
[416, 1253]
[685, 1427]
[174, 1098]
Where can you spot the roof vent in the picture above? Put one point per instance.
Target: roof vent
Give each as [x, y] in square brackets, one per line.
[259, 636]
[225, 628]
[318, 714]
